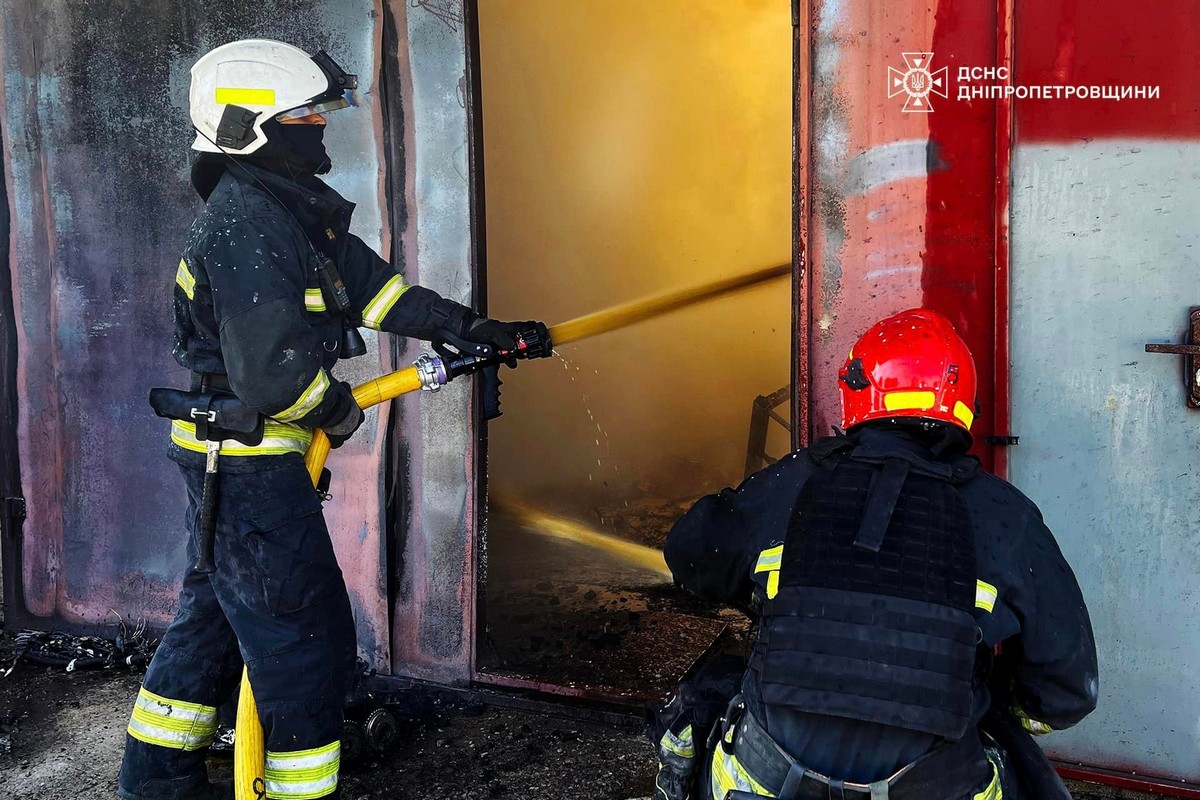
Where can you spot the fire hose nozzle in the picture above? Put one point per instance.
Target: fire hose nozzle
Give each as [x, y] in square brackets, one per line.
[534, 342]
[432, 372]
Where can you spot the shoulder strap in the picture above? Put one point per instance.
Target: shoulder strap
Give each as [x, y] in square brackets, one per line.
[825, 452]
[881, 502]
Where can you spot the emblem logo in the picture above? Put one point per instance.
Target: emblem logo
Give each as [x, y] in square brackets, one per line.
[918, 82]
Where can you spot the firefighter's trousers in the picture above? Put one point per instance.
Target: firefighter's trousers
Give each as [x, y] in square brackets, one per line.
[278, 603]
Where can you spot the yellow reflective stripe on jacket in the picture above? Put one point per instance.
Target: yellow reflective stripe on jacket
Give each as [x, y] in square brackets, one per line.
[278, 439]
[185, 279]
[1034, 726]
[314, 300]
[382, 303]
[729, 775]
[985, 596]
[681, 745]
[769, 561]
[309, 399]
[173, 724]
[303, 774]
[994, 790]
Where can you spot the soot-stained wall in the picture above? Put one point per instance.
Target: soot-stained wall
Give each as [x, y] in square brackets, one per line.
[96, 155]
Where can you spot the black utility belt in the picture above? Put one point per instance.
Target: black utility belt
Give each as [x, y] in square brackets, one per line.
[949, 770]
[217, 414]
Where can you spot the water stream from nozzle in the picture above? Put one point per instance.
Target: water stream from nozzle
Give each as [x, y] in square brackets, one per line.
[544, 523]
[569, 365]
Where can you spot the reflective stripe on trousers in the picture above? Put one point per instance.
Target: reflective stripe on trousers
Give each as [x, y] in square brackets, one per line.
[172, 723]
[728, 775]
[303, 774]
[278, 600]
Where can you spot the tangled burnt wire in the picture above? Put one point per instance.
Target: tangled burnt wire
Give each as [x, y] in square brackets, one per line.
[132, 648]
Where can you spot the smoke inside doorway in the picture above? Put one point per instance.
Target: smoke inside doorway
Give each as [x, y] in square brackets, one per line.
[630, 148]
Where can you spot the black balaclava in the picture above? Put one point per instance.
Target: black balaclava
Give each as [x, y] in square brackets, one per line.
[943, 440]
[207, 170]
[296, 152]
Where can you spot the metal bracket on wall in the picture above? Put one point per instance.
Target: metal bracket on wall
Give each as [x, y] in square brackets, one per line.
[760, 419]
[1189, 350]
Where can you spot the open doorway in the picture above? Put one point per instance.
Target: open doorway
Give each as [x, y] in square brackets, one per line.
[630, 148]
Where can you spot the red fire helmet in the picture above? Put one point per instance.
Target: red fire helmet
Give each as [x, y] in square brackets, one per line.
[912, 365]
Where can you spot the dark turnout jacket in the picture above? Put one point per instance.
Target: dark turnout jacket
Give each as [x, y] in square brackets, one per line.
[1046, 671]
[249, 299]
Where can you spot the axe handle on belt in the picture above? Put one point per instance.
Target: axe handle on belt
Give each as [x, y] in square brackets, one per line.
[205, 564]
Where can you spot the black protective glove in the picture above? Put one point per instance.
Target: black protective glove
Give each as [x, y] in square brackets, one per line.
[500, 335]
[345, 418]
[470, 334]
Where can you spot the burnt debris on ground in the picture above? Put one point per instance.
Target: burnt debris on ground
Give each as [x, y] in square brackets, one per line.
[562, 613]
[66, 732]
[129, 647]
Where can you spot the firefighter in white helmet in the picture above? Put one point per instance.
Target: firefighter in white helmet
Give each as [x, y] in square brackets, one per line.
[268, 295]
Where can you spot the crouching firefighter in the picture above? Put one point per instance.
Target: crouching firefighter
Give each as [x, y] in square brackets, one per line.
[269, 294]
[915, 617]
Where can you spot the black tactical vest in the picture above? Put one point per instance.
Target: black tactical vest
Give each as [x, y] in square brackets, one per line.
[873, 615]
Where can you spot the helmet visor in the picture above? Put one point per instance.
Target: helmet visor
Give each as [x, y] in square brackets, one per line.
[347, 99]
[341, 92]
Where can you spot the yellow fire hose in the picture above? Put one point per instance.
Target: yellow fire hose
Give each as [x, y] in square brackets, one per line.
[249, 746]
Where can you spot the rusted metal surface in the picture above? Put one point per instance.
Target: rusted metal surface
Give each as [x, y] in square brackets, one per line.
[1001, 413]
[901, 205]
[10, 465]
[1121, 780]
[802, 68]
[607, 694]
[97, 171]
[96, 161]
[434, 610]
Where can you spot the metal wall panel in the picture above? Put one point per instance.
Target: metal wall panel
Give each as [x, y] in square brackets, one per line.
[96, 152]
[911, 209]
[433, 624]
[1105, 197]
[900, 206]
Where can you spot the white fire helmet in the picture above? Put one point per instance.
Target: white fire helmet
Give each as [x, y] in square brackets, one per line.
[239, 86]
